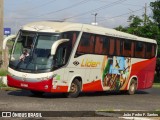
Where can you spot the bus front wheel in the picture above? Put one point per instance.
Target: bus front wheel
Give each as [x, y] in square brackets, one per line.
[75, 89]
[132, 87]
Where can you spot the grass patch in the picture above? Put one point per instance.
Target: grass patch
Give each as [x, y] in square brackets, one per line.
[156, 79]
[6, 88]
[158, 110]
[156, 85]
[9, 88]
[3, 72]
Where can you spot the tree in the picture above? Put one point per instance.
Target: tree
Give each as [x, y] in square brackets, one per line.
[155, 6]
[137, 27]
[136, 21]
[121, 28]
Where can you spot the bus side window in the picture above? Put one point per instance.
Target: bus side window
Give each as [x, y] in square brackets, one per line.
[128, 48]
[86, 44]
[72, 36]
[153, 50]
[150, 50]
[139, 49]
[105, 45]
[118, 47]
[101, 45]
[98, 45]
[111, 46]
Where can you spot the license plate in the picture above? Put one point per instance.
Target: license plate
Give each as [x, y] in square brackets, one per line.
[24, 85]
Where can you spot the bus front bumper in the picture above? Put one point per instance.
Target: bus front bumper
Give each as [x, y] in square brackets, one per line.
[43, 85]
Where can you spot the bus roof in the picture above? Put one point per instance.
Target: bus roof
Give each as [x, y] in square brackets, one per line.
[49, 26]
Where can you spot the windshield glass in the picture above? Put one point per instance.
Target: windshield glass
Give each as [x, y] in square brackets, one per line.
[31, 51]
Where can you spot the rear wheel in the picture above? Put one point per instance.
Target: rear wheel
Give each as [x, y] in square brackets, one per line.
[37, 93]
[75, 89]
[132, 87]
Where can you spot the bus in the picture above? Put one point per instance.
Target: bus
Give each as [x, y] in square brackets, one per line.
[65, 57]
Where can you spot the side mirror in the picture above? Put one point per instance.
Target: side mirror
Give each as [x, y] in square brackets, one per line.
[6, 39]
[56, 44]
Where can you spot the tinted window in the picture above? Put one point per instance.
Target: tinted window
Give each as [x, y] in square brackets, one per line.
[128, 48]
[86, 44]
[150, 50]
[72, 36]
[101, 45]
[112, 46]
[139, 50]
[118, 47]
[127, 45]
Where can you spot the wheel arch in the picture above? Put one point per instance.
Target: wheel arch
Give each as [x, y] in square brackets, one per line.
[73, 78]
[135, 78]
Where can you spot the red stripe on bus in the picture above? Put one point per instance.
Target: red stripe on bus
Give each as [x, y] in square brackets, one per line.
[93, 86]
[60, 89]
[144, 71]
[44, 85]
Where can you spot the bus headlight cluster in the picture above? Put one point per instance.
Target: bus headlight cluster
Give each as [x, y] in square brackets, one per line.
[44, 78]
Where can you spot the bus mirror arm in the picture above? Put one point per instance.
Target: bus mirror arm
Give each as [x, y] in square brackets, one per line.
[6, 39]
[56, 44]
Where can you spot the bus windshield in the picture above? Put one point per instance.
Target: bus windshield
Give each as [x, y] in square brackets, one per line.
[32, 51]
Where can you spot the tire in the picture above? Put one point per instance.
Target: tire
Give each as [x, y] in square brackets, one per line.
[75, 89]
[132, 87]
[37, 93]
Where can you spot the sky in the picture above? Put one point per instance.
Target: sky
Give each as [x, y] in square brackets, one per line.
[110, 13]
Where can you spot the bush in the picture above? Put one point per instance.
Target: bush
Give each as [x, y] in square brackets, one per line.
[156, 79]
[1, 84]
[3, 72]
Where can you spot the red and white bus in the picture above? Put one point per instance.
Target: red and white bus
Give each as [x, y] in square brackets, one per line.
[63, 57]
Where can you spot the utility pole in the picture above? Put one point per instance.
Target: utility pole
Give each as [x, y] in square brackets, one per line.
[145, 14]
[95, 18]
[1, 30]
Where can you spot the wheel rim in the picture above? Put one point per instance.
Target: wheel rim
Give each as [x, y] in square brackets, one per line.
[132, 87]
[74, 88]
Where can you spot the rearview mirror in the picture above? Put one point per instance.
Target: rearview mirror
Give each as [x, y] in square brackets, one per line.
[56, 44]
[6, 39]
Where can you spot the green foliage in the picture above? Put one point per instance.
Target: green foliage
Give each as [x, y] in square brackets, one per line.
[156, 79]
[148, 28]
[139, 28]
[121, 28]
[1, 84]
[136, 21]
[155, 6]
[3, 72]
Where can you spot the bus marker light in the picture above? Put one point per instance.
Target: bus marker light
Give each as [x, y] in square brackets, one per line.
[46, 87]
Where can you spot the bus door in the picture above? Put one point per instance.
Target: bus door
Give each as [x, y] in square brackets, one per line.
[60, 60]
[81, 68]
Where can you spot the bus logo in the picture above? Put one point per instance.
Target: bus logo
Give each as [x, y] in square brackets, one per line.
[76, 63]
[89, 63]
